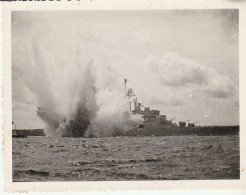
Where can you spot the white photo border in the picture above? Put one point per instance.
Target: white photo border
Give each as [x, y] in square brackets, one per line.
[68, 186]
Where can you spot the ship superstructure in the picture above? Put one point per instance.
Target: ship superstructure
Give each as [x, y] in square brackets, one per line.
[151, 118]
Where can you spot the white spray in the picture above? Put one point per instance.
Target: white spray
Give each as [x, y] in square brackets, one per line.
[85, 109]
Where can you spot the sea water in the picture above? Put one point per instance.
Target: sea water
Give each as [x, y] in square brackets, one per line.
[125, 158]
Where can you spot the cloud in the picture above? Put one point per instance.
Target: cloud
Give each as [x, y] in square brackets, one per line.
[171, 83]
[172, 70]
[161, 99]
[220, 86]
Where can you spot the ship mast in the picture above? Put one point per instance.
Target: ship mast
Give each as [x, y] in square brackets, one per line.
[14, 125]
[129, 93]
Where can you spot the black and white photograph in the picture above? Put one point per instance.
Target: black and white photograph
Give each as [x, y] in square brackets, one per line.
[106, 96]
[125, 95]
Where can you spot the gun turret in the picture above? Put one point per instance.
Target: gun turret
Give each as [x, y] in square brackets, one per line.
[183, 123]
[192, 124]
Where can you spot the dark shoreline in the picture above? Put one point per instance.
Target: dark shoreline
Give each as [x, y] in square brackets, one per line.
[164, 131]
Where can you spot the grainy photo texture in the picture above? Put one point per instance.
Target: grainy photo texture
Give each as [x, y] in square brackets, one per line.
[125, 95]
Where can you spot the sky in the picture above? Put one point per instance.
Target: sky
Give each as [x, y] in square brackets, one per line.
[181, 62]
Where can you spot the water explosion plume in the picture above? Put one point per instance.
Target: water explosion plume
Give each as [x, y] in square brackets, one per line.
[83, 110]
[74, 104]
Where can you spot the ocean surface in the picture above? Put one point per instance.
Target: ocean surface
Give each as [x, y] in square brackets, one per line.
[125, 158]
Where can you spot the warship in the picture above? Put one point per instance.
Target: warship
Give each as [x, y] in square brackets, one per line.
[156, 124]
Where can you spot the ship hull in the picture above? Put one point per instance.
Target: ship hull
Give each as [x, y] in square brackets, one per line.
[182, 131]
[19, 136]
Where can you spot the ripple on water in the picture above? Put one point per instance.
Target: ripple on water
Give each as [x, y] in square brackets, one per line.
[126, 158]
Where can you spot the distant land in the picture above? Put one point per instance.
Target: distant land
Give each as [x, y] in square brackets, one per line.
[27, 132]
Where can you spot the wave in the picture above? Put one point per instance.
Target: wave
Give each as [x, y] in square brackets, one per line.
[114, 161]
[31, 172]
